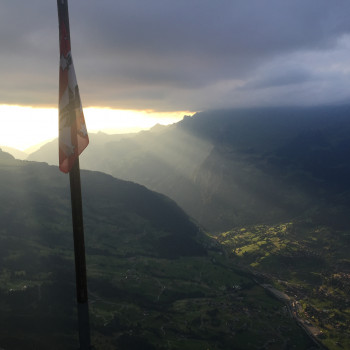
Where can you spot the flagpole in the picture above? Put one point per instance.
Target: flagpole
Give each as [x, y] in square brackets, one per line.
[72, 123]
[79, 253]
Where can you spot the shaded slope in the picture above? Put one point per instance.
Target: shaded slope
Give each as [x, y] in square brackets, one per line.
[155, 281]
[37, 190]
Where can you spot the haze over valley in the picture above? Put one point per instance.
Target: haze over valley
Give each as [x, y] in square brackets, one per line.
[232, 167]
[215, 187]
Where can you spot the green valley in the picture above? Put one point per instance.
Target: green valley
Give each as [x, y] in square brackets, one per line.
[308, 262]
[156, 281]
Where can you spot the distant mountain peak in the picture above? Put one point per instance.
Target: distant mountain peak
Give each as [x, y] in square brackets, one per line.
[5, 155]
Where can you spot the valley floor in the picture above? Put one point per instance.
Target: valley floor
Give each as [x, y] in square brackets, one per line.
[304, 266]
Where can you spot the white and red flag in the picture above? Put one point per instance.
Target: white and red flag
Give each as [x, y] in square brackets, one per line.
[73, 137]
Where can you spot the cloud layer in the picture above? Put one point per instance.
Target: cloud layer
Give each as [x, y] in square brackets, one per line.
[179, 55]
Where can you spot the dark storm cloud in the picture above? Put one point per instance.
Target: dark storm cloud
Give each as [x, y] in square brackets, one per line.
[280, 78]
[164, 54]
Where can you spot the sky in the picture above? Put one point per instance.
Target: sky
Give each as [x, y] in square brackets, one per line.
[142, 62]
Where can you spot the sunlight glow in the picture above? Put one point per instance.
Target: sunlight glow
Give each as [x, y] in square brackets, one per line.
[24, 126]
[119, 121]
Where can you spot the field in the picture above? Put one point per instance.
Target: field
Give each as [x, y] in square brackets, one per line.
[309, 263]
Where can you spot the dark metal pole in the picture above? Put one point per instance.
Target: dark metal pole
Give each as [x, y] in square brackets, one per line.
[79, 252]
[74, 176]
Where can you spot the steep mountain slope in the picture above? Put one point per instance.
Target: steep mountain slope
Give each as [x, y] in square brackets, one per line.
[237, 167]
[155, 280]
[28, 188]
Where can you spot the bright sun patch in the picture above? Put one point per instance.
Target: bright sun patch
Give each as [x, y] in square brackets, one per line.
[24, 126]
[122, 121]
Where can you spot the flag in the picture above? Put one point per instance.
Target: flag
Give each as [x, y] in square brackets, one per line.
[73, 137]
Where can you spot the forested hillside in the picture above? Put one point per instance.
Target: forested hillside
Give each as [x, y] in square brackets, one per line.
[155, 280]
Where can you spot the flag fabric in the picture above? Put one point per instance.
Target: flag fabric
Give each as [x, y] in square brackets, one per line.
[73, 137]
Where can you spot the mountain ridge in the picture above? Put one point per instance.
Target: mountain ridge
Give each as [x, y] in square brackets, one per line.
[229, 167]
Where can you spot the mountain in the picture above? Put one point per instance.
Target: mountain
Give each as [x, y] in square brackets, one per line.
[15, 152]
[28, 188]
[48, 152]
[272, 186]
[237, 167]
[155, 280]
